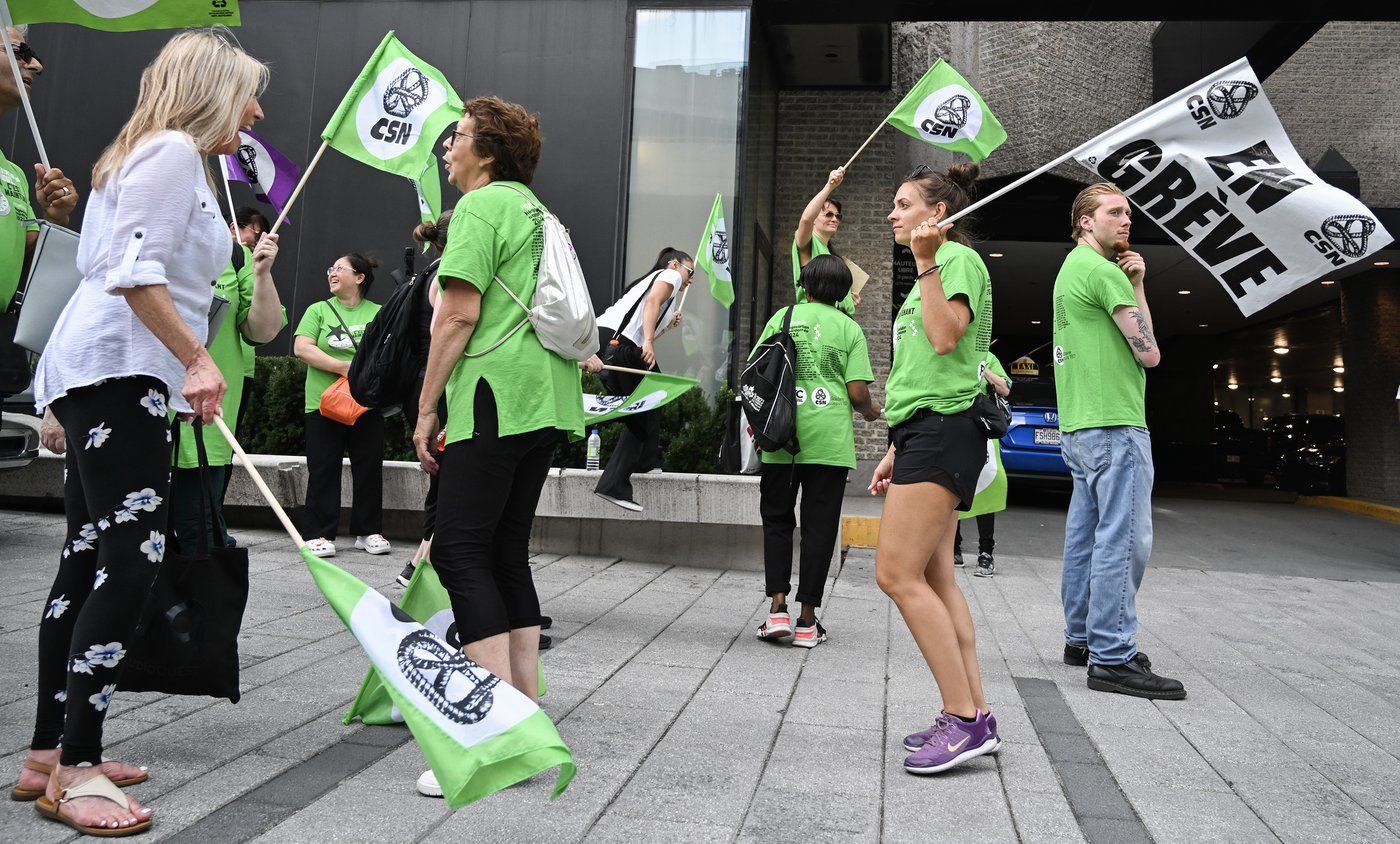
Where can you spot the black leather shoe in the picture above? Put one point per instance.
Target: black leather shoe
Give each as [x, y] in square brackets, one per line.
[546, 642]
[1078, 655]
[546, 622]
[1133, 678]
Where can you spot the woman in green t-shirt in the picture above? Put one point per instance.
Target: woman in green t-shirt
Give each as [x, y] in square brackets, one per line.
[817, 226]
[940, 339]
[327, 338]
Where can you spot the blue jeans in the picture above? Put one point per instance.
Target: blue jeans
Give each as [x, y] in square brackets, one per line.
[1108, 538]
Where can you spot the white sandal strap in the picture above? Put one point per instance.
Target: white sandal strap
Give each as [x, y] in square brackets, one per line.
[98, 786]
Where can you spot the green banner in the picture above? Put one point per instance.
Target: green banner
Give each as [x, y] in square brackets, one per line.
[657, 389]
[991, 485]
[712, 255]
[393, 114]
[942, 109]
[127, 15]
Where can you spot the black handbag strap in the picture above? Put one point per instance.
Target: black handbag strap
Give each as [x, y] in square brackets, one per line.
[353, 344]
[627, 320]
[206, 495]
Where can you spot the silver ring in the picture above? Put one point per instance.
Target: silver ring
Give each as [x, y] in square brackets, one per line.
[64, 189]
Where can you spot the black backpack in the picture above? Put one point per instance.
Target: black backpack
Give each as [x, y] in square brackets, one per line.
[768, 391]
[393, 349]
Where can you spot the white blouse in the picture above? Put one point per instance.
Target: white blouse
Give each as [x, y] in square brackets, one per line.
[633, 329]
[155, 222]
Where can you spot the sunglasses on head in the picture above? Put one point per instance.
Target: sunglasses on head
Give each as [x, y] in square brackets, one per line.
[919, 171]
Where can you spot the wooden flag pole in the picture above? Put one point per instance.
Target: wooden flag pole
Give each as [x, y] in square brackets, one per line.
[627, 369]
[228, 193]
[257, 479]
[297, 192]
[680, 307]
[867, 142]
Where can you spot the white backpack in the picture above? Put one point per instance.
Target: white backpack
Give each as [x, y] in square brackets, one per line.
[561, 310]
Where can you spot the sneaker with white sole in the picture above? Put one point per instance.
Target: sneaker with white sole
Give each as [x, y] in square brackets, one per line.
[375, 544]
[428, 784]
[407, 574]
[321, 547]
[624, 503]
[808, 637]
[777, 626]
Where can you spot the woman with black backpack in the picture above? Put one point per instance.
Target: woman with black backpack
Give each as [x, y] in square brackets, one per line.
[627, 332]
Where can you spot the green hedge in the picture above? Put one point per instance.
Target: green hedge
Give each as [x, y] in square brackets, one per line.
[692, 426]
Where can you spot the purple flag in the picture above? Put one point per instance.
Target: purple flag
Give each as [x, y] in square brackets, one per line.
[271, 174]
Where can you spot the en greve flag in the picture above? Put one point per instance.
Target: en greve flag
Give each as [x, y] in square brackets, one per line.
[478, 734]
[655, 390]
[271, 174]
[394, 112]
[1213, 167]
[942, 109]
[127, 15]
[712, 256]
[426, 602]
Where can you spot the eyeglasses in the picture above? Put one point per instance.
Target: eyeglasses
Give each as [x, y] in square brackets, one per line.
[835, 215]
[689, 271]
[452, 139]
[257, 232]
[332, 270]
[919, 171]
[24, 55]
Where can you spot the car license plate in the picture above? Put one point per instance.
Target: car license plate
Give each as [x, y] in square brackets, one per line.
[1047, 436]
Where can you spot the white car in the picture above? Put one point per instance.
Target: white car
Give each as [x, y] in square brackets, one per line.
[19, 440]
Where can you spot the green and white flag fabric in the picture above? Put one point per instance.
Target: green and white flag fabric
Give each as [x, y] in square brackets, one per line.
[392, 116]
[478, 734]
[656, 389]
[712, 256]
[428, 188]
[942, 109]
[426, 601]
[127, 15]
[991, 485]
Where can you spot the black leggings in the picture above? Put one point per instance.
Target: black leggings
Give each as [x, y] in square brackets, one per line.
[117, 469]
[639, 447]
[986, 533]
[487, 494]
[326, 443]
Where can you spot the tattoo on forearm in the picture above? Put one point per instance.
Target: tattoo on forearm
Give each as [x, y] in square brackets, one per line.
[1146, 341]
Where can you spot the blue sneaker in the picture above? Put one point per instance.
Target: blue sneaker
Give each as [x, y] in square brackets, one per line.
[952, 745]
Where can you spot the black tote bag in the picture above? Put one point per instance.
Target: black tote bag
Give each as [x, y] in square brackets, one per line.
[187, 640]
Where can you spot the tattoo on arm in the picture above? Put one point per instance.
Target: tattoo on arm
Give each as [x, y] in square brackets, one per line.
[1145, 341]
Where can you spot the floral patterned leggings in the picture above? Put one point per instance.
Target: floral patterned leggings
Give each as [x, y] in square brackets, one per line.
[116, 479]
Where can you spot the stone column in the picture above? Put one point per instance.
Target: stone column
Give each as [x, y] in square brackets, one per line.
[1371, 347]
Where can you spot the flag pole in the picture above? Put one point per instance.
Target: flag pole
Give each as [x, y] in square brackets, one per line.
[680, 307]
[627, 369]
[866, 144]
[257, 479]
[297, 192]
[228, 194]
[1021, 181]
[19, 82]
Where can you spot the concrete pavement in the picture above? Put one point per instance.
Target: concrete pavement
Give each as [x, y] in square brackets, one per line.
[686, 728]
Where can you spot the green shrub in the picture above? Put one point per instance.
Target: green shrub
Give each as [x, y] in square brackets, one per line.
[692, 426]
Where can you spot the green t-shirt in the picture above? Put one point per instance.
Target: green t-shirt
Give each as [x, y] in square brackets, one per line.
[1098, 381]
[919, 376]
[847, 305]
[831, 353]
[16, 221]
[994, 364]
[320, 324]
[497, 233]
[230, 352]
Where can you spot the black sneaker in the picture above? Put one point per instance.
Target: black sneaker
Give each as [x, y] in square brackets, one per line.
[1079, 655]
[546, 622]
[406, 575]
[1132, 678]
[546, 642]
[985, 566]
[957, 557]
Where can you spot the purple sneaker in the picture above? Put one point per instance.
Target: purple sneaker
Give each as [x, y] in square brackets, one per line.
[992, 728]
[915, 741]
[954, 744]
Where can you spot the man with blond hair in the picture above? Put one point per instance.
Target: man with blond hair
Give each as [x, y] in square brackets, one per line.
[1103, 343]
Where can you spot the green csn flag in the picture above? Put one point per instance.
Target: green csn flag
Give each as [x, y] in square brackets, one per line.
[991, 485]
[392, 116]
[478, 734]
[656, 389]
[426, 602]
[127, 15]
[712, 256]
[942, 109]
[428, 188]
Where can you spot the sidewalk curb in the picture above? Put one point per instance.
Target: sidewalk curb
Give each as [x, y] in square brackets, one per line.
[1372, 509]
[860, 531]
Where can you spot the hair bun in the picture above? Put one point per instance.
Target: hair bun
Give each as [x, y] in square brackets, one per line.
[965, 176]
[426, 232]
[372, 261]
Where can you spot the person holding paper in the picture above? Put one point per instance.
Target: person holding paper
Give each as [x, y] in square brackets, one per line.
[819, 223]
[127, 349]
[941, 336]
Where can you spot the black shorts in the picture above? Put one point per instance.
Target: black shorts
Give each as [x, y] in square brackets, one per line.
[930, 447]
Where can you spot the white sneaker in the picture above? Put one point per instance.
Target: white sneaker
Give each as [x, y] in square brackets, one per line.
[321, 547]
[373, 544]
[428, 785]
[624, 503]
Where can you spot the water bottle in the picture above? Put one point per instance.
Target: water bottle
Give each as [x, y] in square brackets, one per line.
[595, 449]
